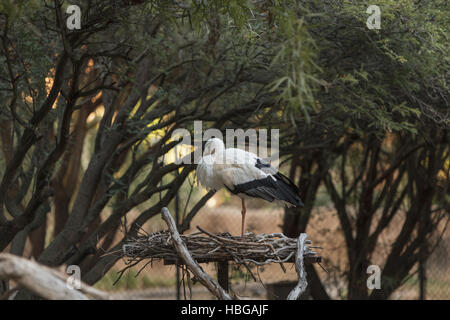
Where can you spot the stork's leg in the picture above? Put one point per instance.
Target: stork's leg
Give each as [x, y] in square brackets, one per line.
[243, 218]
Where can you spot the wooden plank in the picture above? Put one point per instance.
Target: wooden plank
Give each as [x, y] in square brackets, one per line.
[314, 259]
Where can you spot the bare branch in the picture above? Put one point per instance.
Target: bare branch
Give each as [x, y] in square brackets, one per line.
[43, 281]
[300, 268]
[191, 264]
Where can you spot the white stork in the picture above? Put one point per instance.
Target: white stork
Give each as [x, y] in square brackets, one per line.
[245, 175]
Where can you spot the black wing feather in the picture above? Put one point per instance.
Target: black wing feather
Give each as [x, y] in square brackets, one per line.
[276, 187]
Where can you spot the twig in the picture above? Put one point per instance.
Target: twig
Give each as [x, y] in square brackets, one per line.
[246, 243]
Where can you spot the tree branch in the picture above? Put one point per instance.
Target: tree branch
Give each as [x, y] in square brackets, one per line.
[191, 264]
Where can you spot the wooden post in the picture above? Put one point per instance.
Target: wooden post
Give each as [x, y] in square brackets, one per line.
[222, 274]
[422, 273]
[178, 292]
[177, 218]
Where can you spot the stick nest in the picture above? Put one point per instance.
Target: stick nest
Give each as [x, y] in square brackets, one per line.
[207, 247]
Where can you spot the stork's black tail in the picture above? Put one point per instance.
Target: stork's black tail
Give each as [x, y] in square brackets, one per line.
[273, 187]
[289, 190]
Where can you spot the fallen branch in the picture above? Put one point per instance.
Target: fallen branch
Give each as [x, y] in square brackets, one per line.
[191, 264]
[43, 281]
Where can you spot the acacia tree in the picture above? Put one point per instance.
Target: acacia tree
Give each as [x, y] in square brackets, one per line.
[378, 142]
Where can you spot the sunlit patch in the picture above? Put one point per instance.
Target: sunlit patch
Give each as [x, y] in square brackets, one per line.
[27, 98]
[49, 84]
[96, 114]
[96, 97]
[212, 203]
[90, 66]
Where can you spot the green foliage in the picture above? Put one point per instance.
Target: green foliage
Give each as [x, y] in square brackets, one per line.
[296, 55]
[376, 78]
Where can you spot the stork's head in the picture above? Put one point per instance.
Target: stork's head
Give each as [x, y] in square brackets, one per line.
[213, 146]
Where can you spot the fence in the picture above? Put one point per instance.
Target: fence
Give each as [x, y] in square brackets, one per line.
[432, 279]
